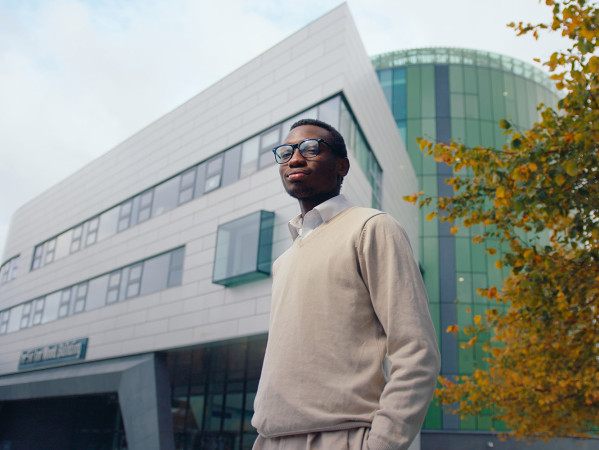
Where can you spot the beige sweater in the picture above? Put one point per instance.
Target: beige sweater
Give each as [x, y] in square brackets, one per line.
[343, 297]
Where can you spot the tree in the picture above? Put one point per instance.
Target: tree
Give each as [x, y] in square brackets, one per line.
[537, 199]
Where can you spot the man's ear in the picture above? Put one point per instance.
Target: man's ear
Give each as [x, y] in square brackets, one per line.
[342, 166]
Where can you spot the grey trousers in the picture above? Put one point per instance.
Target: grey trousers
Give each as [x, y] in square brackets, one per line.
[352, 439]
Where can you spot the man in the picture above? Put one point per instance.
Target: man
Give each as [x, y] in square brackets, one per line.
[346, 293]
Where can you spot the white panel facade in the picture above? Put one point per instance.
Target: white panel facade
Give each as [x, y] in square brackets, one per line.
[323, 59]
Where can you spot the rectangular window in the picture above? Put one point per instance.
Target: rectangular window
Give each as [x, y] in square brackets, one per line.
[249, 156]
[269, 140]
[134, 280]
[37, 256]
[9, 269]
[80, 297]
[26, 314]
[114, 284]
[50, 248]
[166, 196]
[76, 239]
[329, 112]
[4, 273]
[200, 180]
[15, 268]
[175, 271]
[14, 319]
[65, 302]
[108, 223]
[243, 249]
[92, 231]
[52, 303]
[187, 185]
[125, 215]
[213, 173]
[63, 244]
[4, 321]
[155, 273]
[145, 206]
[38, 311]
[96, 293]
[231, 165]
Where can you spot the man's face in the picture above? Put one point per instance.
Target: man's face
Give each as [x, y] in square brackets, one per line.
[314, 179]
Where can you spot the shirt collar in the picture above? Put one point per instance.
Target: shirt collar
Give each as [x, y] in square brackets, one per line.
[326, 211]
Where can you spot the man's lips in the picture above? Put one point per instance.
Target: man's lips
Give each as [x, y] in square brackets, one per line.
[296, 175]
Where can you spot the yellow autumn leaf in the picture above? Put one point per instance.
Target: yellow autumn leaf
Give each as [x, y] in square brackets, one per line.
[452, 329]
[476, 319]
[571, 168]
[500, 192]
[499, 264]
[431, 216]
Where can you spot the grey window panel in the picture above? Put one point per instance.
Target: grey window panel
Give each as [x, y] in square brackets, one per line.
[51, 307]
[155, 274]
[187, 185]
[166, 196]
[14, 320]
[108, 223]
[231, 165]
[249, 156]
[63, 244]
[175, 274]
[200, 180]
[96, 293]
[329, 111]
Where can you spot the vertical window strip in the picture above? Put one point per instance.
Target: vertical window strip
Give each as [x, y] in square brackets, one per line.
[114, 286]
[125, 215]
[92, 231]
[76, 239]
[38, 311]
[65, 302]
[4, 315]
[134, 280]
[9, 269]
[187, 185]
[80, 297]
[25, 315]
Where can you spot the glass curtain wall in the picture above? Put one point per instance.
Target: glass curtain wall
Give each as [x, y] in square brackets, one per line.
[459, 95]
[213, 389]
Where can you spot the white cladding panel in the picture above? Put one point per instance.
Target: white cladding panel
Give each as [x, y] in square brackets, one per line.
[324, 58]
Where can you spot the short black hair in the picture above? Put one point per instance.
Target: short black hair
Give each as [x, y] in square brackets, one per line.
[337, 144]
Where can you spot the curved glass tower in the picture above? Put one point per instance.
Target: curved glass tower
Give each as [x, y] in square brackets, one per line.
[453, 94]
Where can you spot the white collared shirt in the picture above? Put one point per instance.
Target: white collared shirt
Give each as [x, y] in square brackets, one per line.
[302, 227]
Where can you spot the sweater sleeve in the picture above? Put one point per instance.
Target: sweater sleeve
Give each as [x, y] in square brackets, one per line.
[399, 300]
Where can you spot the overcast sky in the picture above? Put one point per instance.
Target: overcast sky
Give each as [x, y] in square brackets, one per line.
[77, 77]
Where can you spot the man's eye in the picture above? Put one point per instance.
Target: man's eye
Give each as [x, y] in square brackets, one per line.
[285, 154]
[310, 146]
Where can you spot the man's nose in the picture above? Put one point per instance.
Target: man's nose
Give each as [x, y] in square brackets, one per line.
[297, 159]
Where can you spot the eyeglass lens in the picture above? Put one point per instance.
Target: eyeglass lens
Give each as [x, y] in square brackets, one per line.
[308, 149]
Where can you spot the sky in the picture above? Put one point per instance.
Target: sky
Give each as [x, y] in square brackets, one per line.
[77, 77]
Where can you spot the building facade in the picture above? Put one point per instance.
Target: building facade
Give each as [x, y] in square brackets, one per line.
[135, 294]
[460, 95]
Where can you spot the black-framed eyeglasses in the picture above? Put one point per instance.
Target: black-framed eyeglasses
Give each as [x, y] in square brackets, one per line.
[308, 148]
